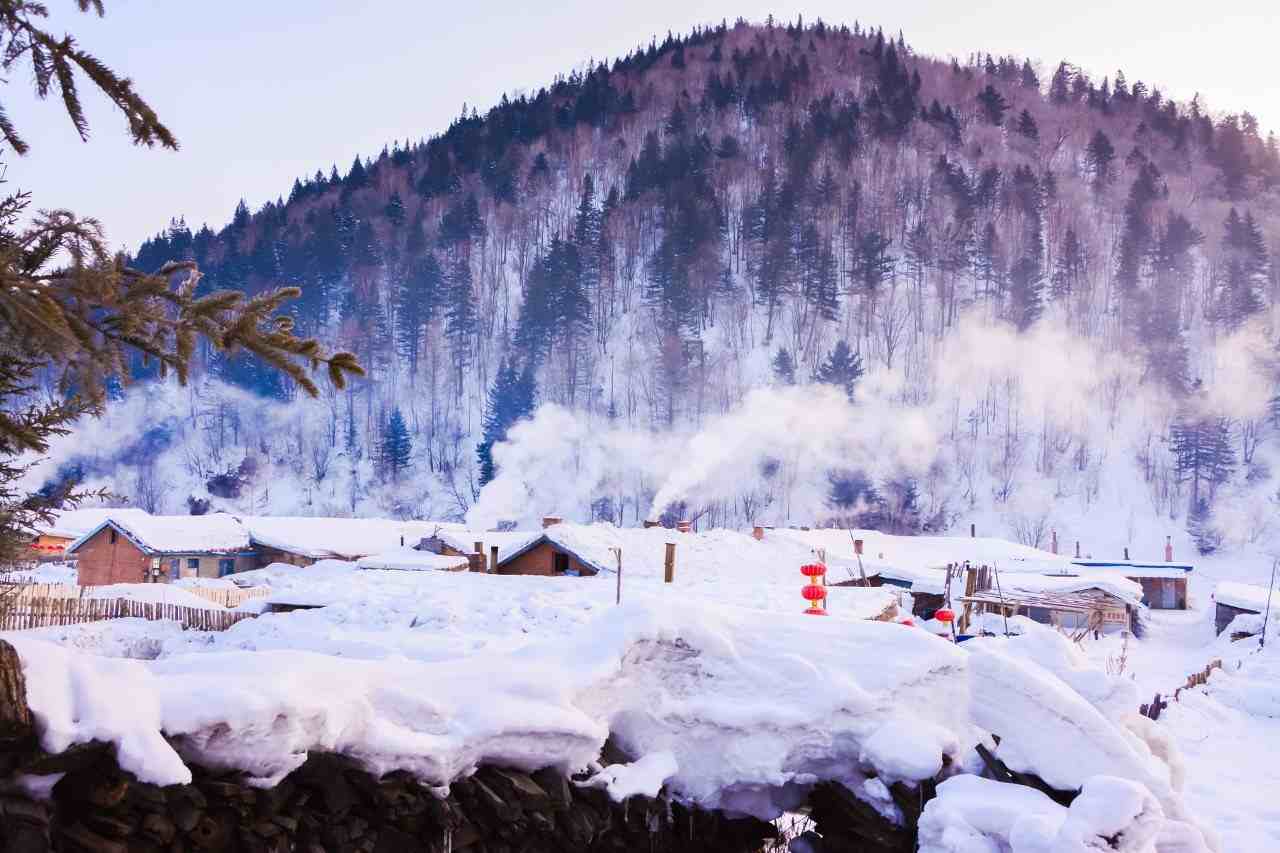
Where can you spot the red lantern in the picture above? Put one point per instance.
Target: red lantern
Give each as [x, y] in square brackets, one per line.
[910, 623]
[813, 592]
[813, 570]
[944, 615]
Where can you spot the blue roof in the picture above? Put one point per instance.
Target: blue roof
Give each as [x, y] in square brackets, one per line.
[1132, 564]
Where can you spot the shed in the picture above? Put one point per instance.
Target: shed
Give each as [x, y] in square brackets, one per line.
[303, 540]
[160, 548]
[1238, 599]
[1091, 608]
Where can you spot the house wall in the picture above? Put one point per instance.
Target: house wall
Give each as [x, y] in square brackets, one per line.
[540, 560]
[1163, 593]
[100, 561]
[207, 564]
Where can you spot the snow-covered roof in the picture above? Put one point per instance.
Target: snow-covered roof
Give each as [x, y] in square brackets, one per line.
[1244, 596]
[1126, 590]
[343, 538]
[410, 560]
[914, 553]
[74, 523]
[216, 533]
[1134, 569]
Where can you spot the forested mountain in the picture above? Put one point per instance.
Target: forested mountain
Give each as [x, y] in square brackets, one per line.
[645, 241]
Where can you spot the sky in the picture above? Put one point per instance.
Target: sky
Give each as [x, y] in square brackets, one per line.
[259, 93]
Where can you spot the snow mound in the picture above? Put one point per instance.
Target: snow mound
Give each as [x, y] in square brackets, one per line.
[976, 815]
[644, 777]
[409, 560]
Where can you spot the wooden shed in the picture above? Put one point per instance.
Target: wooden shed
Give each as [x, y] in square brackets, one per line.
[1240, 599]
[1164, 585]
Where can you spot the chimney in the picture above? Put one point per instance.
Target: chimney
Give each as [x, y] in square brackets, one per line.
[1126, 553]
[1168, 549]
[650, 523]
[1077, 549]
[549, 520]
[757, 533]
[973, 531]
[684, 526]
[857, 547]
[1053, 541]
[479, 548]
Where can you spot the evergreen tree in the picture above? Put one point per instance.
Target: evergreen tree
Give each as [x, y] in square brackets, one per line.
[1099, 155]
[420, 292]
[1243, 273]
[396, 447]
[1070, 268]
[510, 400]
[784, 367]
[1203, 455]
[843, 368]
[993, 105]
[1027, 126]
[461, 318]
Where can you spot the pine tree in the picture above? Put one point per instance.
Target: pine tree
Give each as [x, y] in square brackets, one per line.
[461, 318]
[993, 105]
[1203, 454]
[784, 367]
[510, 400]
[1099, 156]
[86, 322]
[1243, 272]
[843, 368]
[1027, 126]
[396, 449]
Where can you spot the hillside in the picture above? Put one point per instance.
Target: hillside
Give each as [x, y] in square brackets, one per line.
[1049, 299]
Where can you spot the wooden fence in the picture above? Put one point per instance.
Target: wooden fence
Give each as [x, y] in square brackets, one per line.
[27, 613]
[229, 597]
[24, 606]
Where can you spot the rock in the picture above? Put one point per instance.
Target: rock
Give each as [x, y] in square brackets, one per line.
[518, 785]
[210, 834]
[186, 815]
[82, 839]
[490, 802]
[556, 787]
[18, 809]
[25, 838]
[159, 828]
[393, 841]
[111, 827]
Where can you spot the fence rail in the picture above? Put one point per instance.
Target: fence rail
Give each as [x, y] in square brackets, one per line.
[229, 597]
[25, 606]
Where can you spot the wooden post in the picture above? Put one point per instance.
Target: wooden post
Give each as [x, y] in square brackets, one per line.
[618, 552]
[493, 559]
[973, 531]
[479, 548]
[16, 724]
[669, 564]
[970, 586]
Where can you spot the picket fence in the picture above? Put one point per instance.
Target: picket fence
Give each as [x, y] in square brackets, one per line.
[25, 606]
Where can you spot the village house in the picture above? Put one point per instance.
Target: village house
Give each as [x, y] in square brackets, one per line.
[301, 541]
[1239, 599]
[1077, 607]
[551, 551]
[137, 548]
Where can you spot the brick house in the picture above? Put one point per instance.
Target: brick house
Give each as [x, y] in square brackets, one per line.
[550, 552]
[132, 549]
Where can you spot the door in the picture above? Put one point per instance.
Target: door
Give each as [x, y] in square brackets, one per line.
[562, 564]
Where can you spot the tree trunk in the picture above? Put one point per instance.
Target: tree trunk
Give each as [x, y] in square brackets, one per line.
[15, 715]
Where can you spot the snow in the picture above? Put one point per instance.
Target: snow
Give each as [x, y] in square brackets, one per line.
[914, 553]
[976, 815]
[434, 671]
[409, 560]
[644, 777]
[74, 523]
[216, 533]
[156, 593]
[342, 538]
[1244, 596]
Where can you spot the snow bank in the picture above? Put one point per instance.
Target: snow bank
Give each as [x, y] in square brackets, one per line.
[976, 815]
[156, 593]
[913, 553]
[409, 560]
[74, 523]
[644, 777]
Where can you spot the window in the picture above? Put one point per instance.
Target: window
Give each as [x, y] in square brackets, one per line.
[561, 564]
[193, 563]
[226, 567]
[113, 536]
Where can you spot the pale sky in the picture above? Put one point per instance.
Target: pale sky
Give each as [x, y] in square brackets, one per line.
[259, 93]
